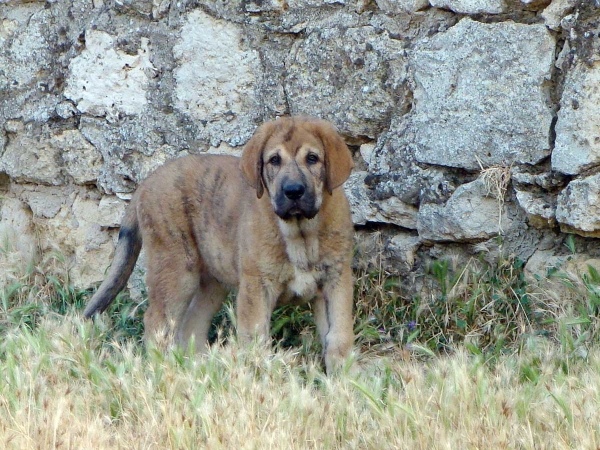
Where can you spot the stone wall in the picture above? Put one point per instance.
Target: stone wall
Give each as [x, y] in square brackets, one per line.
[475, 125]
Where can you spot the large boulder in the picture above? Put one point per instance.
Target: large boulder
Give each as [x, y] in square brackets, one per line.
[578, 207]
[471, 6]
[107, 82]
[480, 95]
[215, 78]
[51, 157]
[352, 76]
[577, 145]
[471, 214]
[389, 210]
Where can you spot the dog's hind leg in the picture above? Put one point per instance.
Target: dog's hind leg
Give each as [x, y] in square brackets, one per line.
[197, 319]
[170, 290]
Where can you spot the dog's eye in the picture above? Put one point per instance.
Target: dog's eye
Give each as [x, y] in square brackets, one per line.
[311, 158]
[275, 160]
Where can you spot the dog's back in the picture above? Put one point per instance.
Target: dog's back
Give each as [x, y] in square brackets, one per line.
[193, 204]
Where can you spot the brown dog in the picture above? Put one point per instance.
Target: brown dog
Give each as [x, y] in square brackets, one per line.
[206, 231]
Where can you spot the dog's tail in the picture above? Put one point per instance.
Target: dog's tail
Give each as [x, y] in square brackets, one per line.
[126, 254]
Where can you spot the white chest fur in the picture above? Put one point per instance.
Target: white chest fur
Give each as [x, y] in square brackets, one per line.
[304, 284]
[302, 247]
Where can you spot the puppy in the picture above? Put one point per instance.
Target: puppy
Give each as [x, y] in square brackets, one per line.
[274, 224]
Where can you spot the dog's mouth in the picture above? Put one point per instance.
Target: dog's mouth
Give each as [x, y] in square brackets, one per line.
[296, 211]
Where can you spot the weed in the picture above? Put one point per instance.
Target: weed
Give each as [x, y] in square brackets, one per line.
[485, 306]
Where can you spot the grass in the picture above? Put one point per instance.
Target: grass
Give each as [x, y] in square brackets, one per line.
[481, 358]
[64, 389]
[482, 306]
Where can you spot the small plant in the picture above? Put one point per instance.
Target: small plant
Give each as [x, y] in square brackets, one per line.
[488, 308]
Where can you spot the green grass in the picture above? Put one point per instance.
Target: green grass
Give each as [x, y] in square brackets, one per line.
[482, 357]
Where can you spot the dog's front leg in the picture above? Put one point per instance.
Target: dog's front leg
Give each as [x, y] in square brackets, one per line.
[254, 306]
[333, 311]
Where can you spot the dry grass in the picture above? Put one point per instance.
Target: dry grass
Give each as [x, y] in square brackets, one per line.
[485, 361]
[496, 180]
[63, 389]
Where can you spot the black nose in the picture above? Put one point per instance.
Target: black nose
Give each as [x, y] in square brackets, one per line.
[293, 191]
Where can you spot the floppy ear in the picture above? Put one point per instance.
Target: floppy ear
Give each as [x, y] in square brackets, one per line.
[338, 159]
[251, 163]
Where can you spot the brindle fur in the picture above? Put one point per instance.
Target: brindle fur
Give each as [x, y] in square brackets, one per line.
[206, 232]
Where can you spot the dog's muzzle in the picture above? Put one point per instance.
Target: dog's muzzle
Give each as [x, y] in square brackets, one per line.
[294, 201]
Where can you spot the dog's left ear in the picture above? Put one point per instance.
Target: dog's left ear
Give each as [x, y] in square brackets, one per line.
[251, 163]
[338, 159]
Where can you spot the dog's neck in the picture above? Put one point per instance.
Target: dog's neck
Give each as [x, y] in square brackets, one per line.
[301, 237]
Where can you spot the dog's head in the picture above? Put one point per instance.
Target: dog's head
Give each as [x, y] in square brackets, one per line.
[296, 160]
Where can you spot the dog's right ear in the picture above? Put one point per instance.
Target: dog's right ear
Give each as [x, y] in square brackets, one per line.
[251, 163]
[338, 159]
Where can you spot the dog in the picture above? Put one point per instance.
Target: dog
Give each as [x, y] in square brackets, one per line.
[274, 224]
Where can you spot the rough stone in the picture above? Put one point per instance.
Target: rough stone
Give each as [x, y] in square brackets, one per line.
[540, 209]
[85, 233]
[578, 207]
[160, 8]
[578, 127]
[556, 11]
[44, 203]
[46, 157]
[107, 212]
[361, 75]
[224, 149]
[28, 66]
[541, 176]
[519, 239]
[270, 80]
[413, 27]
[108, 82]
[401, 6]
[402, 250]
[130, 149]
[582, 29]
[29, 47]
[469, 215]
[95, 237]
[17, 232]
[395, 172]
[81, 160]
[395, 251]
[536, 2]
[283, 6]
[313, 3]
[33, 160]
[366, 152]
[471, 6]
[390, 210]
[66, 110]
[568, 23]
[480, 96]
[216, 78]
[264, 6]
[543, 262]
